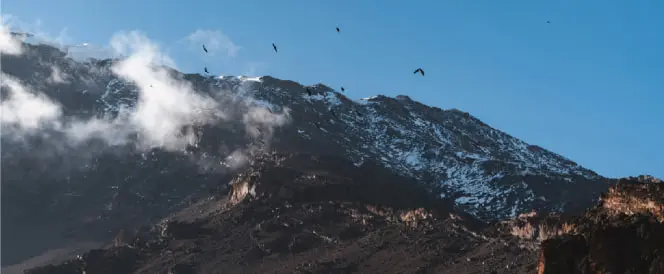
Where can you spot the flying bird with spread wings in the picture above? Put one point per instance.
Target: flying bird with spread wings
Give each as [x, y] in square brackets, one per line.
[205, 49]
[419, 70]
[274, 47]
[206, 70]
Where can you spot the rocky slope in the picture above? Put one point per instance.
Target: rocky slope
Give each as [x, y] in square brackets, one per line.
[623, 234]
[64, 192]
[301, 213]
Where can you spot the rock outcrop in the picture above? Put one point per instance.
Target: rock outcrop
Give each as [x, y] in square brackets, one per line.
[623, 234]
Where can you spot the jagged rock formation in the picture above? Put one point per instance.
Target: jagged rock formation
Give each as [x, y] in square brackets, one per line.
[623, 234]
[302, 213]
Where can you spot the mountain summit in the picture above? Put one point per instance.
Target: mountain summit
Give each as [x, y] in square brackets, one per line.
[160, 139]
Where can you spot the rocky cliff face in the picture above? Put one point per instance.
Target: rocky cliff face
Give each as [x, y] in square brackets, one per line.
[64, 187]
[623, 234]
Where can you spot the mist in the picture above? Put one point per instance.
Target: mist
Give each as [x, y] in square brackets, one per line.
[168, 114]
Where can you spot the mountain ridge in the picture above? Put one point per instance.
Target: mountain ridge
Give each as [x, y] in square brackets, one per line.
[483, 149]
[489, 174]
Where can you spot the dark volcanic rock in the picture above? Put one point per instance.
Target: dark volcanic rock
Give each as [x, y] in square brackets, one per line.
[624, 234]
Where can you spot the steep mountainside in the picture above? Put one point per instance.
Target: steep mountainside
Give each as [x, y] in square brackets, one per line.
[300, 213]
[71, 188]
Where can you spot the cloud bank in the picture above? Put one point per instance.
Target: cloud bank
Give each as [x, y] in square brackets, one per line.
[166, 115]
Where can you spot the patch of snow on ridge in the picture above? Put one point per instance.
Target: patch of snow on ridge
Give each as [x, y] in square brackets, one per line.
[366, 101]
[251, 79]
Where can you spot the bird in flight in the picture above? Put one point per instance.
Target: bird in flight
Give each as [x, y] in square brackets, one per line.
[206, 71]
[275, 47]
[205, 49]
[548, 22]
[343, 89]
[419, 70]
[338, 30]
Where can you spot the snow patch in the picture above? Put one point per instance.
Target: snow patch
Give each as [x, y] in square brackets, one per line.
[251, 79]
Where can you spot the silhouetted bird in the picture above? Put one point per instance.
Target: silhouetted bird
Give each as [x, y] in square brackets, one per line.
[548, 22]
[343, 89]
[419, 70]
[338, 30]
[308, 91]
[275, 47]
[206, 71]
[205, 49]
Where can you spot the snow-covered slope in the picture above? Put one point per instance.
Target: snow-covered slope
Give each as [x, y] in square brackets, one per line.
[491, 174]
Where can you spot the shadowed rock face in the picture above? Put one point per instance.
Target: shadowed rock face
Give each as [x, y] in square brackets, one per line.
[623, 234]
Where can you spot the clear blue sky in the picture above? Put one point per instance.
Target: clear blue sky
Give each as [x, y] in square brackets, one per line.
[589, 86]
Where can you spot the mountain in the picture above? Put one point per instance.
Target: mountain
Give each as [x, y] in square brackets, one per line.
[107, 161]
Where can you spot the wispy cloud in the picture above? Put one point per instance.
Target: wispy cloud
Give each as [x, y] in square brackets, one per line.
[58, 76]
[26, 111]
[8, 45]
[214, 40]
[167, 114]
[166, 105]
[35, 28]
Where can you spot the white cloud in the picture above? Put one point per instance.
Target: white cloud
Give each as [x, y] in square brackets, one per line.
[165, 116]
[165, 109]
[25, 111]
[8, 45]
[57, 76]
[37, 31]
[166, 105]
[260, 120]
[214, 41]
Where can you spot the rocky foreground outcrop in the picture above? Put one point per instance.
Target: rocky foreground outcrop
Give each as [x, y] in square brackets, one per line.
[623, 234]
[300, 213]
